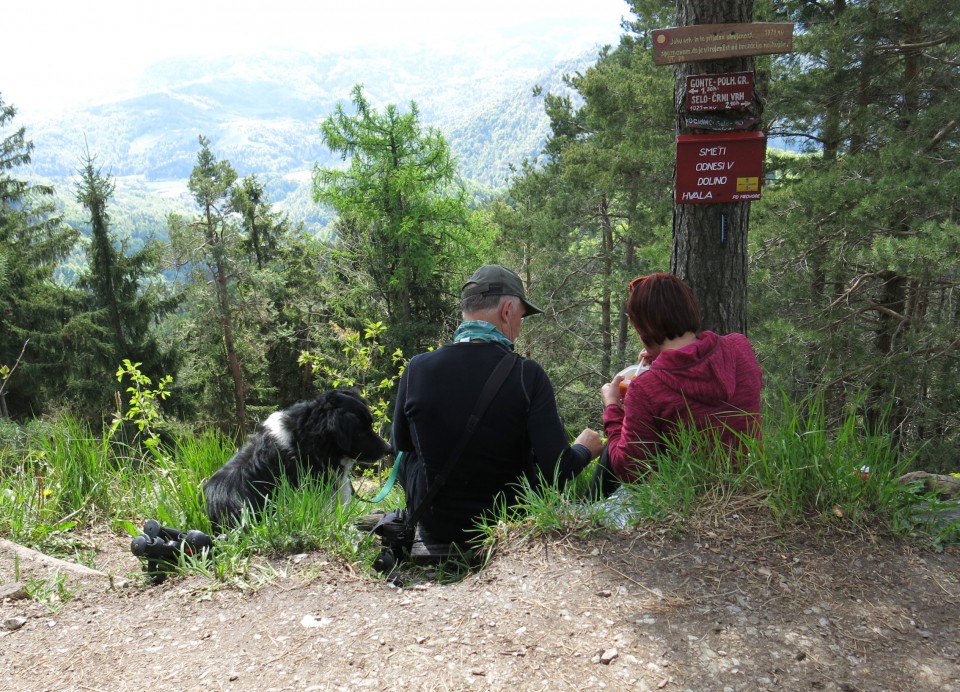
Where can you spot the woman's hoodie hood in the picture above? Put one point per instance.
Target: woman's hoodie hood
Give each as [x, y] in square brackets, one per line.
[706, 370]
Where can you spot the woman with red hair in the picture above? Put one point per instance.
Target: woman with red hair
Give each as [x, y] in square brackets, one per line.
[695, 378]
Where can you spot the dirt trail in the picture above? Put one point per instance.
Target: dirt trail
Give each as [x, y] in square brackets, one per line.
[744, 609]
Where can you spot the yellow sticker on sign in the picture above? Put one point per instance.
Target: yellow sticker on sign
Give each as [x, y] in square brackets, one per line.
[748, 184]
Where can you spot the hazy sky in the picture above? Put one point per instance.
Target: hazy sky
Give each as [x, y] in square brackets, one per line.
[58, 53]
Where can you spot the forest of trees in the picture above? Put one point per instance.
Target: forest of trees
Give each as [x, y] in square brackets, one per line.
[851, 259]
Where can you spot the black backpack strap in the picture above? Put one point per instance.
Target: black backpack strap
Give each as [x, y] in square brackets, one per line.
[490, 389]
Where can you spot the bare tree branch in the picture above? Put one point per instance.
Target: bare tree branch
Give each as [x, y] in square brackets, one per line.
[6, 379]
[937, 138]
[917, 46]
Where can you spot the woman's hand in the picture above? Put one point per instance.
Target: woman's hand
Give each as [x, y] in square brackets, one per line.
[610, 392]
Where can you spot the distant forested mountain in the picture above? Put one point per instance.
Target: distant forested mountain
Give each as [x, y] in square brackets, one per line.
[262, 113]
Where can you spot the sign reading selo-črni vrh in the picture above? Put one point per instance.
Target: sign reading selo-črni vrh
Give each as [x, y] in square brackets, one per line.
[717, 168]
[715, 92]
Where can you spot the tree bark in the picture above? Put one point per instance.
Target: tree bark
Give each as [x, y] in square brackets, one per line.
[34, 557]
[710, 240]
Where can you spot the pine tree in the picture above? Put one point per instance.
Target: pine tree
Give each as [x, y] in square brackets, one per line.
[263, 226]
[278, 294]
[209, 247]
[863, 283]
[628, 152]
[33, 240]
[593, 213]
[710, 240]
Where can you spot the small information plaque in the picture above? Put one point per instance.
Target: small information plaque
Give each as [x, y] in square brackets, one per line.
[716, 41]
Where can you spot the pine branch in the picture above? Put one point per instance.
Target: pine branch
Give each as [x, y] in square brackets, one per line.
[805, 135]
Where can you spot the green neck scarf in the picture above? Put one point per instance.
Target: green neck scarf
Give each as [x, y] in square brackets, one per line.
[478, 330]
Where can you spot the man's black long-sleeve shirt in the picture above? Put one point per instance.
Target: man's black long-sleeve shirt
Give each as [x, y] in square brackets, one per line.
[520, 433]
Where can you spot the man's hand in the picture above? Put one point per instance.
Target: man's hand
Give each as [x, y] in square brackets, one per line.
[591, 440]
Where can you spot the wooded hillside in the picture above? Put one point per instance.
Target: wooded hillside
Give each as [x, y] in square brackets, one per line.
[853, 260]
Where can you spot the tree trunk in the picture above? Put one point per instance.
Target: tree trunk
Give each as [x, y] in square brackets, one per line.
[219, 270]
[824, 253]
[710, 240]
[606, 321]
[526, 276]
[893, 321]
[624, 328]
[233, 360]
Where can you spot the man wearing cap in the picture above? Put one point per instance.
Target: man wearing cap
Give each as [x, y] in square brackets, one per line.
[520, 433]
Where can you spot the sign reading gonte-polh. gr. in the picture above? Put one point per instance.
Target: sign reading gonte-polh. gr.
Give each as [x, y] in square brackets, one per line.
[715, 41]
[719, 92]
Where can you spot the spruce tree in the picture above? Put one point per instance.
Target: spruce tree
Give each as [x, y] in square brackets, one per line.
[124, 298]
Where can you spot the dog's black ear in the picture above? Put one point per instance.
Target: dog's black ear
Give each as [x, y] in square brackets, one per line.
[347, 391]
[343, 427]
[350, 398]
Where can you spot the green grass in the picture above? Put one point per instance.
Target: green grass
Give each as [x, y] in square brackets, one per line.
[807, 468]
[802, 471]
[56, 478]
[53, 591]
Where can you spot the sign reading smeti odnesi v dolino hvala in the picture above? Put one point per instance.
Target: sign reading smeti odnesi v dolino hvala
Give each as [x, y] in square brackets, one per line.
[716, 168]
[715, 41]
[717, 92]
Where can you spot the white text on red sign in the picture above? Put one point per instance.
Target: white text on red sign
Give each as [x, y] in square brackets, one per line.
[719, 168]
[715, 92]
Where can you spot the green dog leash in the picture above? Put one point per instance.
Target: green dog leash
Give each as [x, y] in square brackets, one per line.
[388, 486]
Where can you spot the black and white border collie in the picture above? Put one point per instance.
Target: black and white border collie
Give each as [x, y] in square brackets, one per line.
[325, 436]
